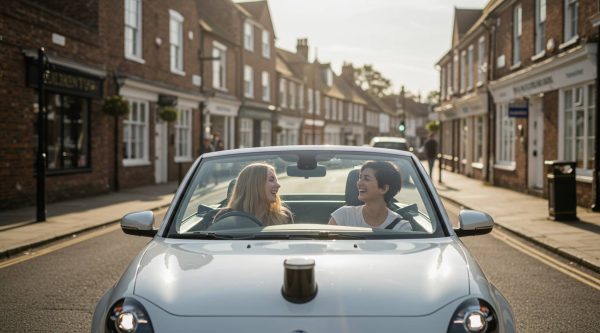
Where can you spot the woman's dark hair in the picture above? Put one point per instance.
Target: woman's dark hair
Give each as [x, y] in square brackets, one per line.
[386, 174]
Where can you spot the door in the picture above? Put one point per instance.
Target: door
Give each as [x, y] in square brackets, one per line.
[160, 156]
[536, 144]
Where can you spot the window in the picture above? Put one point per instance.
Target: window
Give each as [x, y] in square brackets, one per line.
[282, 93]
[455, 73]
[219, 66]
[68, 132]
[449, 78]
[482, 61]
[579, 130]
[470, 68]
[463, 71]
[464, 142]
[245, 132]
[327, 108]
[266, 87]
[517, 30]
[301, 96]
[329, 77]
[478, 149]
[318, 102]
[292, 90]
[176, 41]
[505, 141]
[266, 44]
[248, 81]
[183, 136]
[135, 134]
[571, 19]
[248, 36]
[540, 23]
[133, 29]
[265, 133]
[443, 83]
[310, 100]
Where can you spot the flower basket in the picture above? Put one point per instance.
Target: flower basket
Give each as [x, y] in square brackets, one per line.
[168, 113]
[115, 106]
[433, 126]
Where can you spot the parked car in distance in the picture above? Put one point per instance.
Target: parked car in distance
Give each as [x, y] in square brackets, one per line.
[212, 268]
[389, 142]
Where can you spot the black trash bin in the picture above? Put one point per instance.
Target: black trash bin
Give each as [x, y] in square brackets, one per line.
[562, 195]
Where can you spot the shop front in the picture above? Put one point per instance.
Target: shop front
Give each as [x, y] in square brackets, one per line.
[312, 131]
[546, 112]
[255, 126]
[219, 118]
[288, 130]
[471, 116]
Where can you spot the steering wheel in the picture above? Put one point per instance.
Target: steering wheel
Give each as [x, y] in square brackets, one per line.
[234, 220]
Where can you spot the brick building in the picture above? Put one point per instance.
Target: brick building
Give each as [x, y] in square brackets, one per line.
[540, 59]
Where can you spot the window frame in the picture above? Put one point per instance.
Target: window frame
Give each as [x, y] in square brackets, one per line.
[129, 50]
[282, 93]
[540, 26]
[266, 86]
[219, 66]
[587, 108]
[482, 61]
[183, 125]
[246, 125]
[517, 34]
[266, 44]
[505, 132]
[248, 36]
[127, 122]
[176, 50]
[569, 26]
[248, 81]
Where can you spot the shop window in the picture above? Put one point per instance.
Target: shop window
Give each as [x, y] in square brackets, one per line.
[478, 149]
[183, 136]
[579, 104]
[245, 132]
[265, 133]
[68, 133]
[505, 140]
[135, 134]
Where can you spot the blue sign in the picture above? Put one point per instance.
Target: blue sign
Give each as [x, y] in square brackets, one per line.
[520, 110]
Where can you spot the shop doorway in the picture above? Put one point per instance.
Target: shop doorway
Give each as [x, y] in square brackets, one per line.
[160, 150]
[536, 144]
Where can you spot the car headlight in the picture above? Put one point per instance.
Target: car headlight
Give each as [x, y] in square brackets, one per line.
[128, 316]
[474, 315]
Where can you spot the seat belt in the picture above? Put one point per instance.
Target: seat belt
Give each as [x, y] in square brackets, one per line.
[394, 222]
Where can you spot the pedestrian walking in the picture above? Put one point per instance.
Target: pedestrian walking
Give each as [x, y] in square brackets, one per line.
[431, 152]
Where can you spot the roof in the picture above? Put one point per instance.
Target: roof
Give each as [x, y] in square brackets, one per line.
[259, 11]
[207, 19]
[282, 67]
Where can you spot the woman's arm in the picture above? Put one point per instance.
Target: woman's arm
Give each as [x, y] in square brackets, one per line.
[332, 221]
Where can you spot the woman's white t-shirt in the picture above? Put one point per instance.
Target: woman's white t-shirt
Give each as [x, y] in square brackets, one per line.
[352, 216]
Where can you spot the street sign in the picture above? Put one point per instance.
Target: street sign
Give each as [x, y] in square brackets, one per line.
[518, 110]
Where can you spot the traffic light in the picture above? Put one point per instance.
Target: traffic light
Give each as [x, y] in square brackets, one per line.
[402, 126]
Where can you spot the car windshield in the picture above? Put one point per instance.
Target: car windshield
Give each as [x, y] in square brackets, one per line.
[311, 185]
[391, 145]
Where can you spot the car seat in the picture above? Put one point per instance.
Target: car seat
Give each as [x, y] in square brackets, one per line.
[351, 195]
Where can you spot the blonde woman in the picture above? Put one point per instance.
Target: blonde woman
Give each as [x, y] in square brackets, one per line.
[256, 193]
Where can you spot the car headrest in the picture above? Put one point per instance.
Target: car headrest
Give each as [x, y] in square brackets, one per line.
[351, 195]
[230, 188]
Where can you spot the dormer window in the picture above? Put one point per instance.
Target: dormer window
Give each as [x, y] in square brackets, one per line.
[329, 77]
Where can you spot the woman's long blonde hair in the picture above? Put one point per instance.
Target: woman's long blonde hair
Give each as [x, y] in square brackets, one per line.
[249, 196]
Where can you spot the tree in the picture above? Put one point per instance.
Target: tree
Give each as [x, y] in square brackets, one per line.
[433, 97]
[372, 81]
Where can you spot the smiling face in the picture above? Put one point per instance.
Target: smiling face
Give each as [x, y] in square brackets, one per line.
[368, 187]
[271, 186]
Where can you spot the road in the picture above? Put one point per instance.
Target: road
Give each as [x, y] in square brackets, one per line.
[57, 292]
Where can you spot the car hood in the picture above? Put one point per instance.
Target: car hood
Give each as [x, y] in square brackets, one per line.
[354, 278]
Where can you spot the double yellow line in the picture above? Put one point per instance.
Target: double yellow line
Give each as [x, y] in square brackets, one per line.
[548, 260]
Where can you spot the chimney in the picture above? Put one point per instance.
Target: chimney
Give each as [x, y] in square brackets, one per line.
[348, 72]
[302, 48]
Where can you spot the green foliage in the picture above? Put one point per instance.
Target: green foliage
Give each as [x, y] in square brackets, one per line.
[433, 126]
[372, 81]
[115, 106]
[168, 113]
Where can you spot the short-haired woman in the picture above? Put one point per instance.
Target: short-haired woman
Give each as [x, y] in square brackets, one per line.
[256, 193]
[378, 183]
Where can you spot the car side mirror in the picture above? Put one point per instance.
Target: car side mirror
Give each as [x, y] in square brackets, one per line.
[139, 224]
[472, 223]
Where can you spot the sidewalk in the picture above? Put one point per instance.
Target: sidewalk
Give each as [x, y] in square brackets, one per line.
[527, 216]
[20, 232]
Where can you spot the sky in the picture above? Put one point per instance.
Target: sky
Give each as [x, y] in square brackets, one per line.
[403, 39]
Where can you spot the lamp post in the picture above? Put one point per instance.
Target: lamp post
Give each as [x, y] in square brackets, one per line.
[41, 149]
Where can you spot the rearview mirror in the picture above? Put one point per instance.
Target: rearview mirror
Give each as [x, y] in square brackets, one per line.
[139, 224]
[472, 222]
[317, 171]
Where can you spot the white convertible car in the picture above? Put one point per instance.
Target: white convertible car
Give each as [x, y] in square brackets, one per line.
[210, 269]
